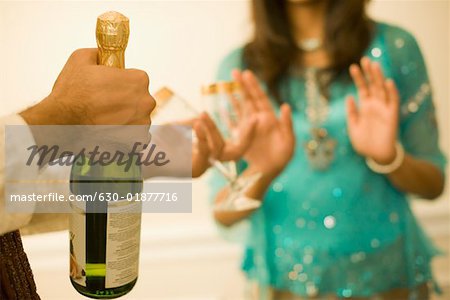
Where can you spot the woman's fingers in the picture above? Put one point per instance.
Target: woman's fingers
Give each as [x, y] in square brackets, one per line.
[378, 87]
[200, 153]
[392, 95]
[360, 81]
[286, 120]
[202, 141]
[260, 98]
[352, 111]
[234, 151]
[215, 140]
[212, 143]
[366, 67]
[369, 80]
[235, 114]
[248, 98]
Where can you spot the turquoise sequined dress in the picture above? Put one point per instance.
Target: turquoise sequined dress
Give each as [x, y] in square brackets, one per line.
[346, 230]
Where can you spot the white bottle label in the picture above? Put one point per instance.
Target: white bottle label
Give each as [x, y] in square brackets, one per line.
[77, 235]
[122, 248]
[122, 244]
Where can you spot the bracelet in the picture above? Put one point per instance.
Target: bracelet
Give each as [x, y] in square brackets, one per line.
[387, 169]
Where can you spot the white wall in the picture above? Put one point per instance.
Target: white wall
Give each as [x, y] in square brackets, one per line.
[179, 43]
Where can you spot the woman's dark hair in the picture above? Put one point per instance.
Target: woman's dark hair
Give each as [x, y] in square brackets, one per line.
[273, 50]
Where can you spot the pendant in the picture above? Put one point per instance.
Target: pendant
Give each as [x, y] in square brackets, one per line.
[310, 45]
[320, 149]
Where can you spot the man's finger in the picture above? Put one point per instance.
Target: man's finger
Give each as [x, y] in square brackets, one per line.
[85, 56]
[146, 106]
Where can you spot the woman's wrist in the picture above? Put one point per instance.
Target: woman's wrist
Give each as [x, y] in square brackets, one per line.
[268, 174]
[389, 156]
[393, 164]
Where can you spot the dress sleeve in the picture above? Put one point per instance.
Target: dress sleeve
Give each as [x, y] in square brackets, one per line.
[419, 132]
[232, 61]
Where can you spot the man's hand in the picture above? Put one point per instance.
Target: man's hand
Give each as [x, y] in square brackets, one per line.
[88, 94]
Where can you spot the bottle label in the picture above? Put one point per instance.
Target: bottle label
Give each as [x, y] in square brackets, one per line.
[123, 238]
[121, 258]
[77, 221]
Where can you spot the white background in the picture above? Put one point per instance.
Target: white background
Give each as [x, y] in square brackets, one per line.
[179, 43]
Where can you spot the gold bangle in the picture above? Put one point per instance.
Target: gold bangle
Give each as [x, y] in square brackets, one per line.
[392, 167]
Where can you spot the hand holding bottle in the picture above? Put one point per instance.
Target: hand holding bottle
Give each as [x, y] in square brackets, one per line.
[88, 94]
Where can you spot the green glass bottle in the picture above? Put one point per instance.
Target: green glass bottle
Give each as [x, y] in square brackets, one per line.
[105, 234]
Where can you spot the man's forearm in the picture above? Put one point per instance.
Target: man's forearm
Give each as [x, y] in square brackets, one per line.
[47, 112]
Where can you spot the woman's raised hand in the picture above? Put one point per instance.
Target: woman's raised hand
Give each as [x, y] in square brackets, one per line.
[373, 123]
[273, 139]
[211, 144]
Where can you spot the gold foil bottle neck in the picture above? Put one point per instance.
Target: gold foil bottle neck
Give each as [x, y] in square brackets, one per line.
[113, 31]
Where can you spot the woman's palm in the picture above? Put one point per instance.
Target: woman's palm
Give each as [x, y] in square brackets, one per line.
[273, 140]
[372, 126]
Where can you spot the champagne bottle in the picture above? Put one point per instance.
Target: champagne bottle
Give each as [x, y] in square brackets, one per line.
[105, 235]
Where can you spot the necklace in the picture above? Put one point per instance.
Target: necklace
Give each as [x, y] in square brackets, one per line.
[320, 147]
[309, 45]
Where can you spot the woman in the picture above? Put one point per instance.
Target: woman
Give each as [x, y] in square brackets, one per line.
[335, 220]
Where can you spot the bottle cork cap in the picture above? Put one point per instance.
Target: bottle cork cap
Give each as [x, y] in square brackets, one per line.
[113, 30]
